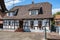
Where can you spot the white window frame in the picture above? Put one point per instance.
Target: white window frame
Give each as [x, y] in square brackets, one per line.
[33, 14]
[10, 14]
[11, 26]
[35, 22]
[43, 22]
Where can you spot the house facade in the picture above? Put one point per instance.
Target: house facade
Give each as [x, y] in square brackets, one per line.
[57, 20]
[29, 18]
[57, 23]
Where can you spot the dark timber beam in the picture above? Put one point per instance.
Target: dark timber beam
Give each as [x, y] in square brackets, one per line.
[2, 4]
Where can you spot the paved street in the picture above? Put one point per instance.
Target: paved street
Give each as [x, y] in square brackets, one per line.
[21, 36]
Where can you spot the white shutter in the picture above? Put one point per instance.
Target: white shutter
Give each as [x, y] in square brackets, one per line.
[35, 22]
[7, 14]
[29, 22]
[36, 12]
[43, 22]
[29, 12]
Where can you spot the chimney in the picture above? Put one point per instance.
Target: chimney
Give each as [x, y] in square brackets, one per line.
[32, 1]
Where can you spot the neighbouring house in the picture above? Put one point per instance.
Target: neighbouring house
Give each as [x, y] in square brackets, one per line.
[57, 23]
[53, 36]
[29, 18]
[2, 12]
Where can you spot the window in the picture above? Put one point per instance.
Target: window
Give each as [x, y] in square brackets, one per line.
[40, 24]
[11, 24]
[32, 23]
[35, 22]
[26, 23]
[16, 23]
[33, 12]
[10, 14]
[13, 13]
[5, 23]
[40, 11]
[44, 22]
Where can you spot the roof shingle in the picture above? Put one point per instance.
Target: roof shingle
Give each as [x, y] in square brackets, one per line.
[23, 12]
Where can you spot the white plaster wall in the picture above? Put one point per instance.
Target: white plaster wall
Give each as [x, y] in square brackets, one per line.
[36, 24]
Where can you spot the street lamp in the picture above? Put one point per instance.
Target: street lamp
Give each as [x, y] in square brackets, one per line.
[45, 29]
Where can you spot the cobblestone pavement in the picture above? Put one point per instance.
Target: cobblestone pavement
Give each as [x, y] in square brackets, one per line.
[24, 35]
[20, 36]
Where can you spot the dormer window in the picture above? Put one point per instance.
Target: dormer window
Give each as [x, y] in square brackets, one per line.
[12, 13]
[40, 10]
[33, 12]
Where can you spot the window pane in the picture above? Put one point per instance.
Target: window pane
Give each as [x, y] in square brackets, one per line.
[12, 13]
[17, 23]
[25, 23]
[44, 22]
[33, 12]
[31, 22]
[10, 24]
[35, 22]
[5, 22]
[41, 11]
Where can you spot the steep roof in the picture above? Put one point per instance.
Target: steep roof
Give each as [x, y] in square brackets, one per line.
[2, 4]
[57, 17]
[2, 9]
[23, 11]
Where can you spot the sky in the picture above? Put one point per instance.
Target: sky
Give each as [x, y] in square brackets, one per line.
[55, 3]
